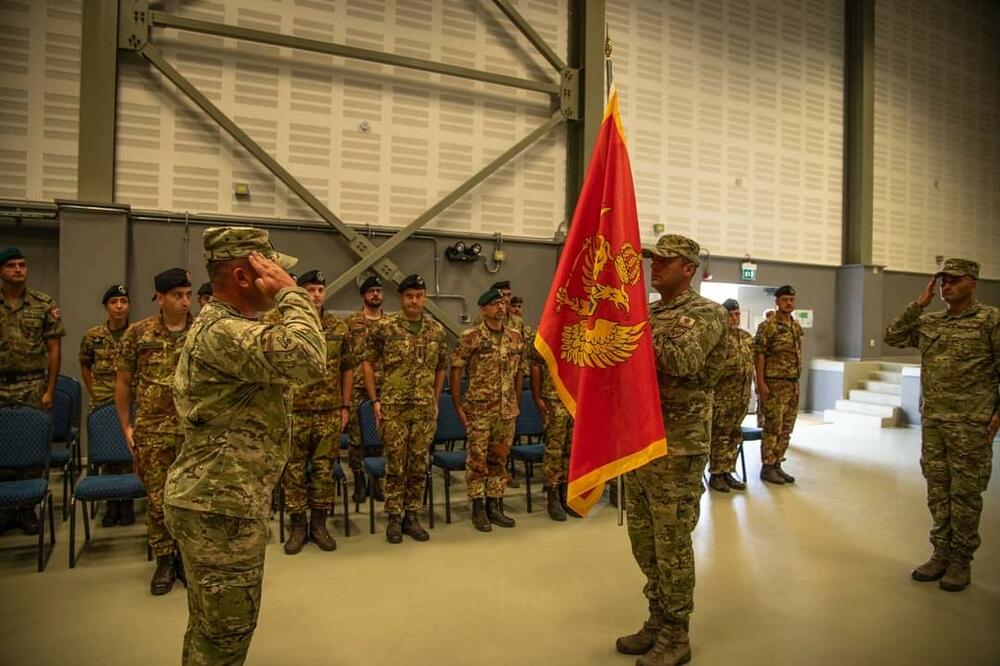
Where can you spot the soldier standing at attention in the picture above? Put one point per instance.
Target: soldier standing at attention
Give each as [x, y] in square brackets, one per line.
[513, 320]
[99, 349]
[663, 495]
[30, 353]
[558, 436]
[319, 415]
[778, 365]
[232, 391]
[959, 377]
[413, 351]
[146, 363]
[359, 324]
[731, 403]
[491, 355]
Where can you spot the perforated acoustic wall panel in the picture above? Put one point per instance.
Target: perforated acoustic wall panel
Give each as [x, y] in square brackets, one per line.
[39, 98]
[937, 133]
[734, 115]
[377, 144]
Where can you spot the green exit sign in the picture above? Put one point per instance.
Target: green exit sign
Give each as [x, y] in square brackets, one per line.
[748, 271]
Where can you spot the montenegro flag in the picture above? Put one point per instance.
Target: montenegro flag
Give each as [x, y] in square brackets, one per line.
[594, 333]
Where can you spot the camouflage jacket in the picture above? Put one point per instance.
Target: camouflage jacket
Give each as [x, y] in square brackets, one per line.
[99, 349]
[232, 391]
[960, 360]
[737, 375]
[548, 387]
[409, 361]
[359, 326]
[781, 345]
[690, 350]
[327, 394]
[493, 364]
[149, 351]
[24, 329]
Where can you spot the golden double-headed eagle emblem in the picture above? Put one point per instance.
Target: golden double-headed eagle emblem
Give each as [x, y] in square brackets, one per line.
[594, 342]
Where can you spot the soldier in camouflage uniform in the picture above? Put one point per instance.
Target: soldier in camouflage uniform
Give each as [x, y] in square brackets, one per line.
[413, 351]
[204, 294]
[232, 389]
[778, 365]
[146, 363]
[99, 349]
[731, 402]
[359, 324]
[514, 321]
[491, 355]
[558, 424]
[30, 348]
[663, 495]
[959, 377]
[319, 415]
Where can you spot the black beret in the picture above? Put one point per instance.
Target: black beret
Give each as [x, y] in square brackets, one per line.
[500, 284]
[371, 282]
[170, 279]
[785, 290]
[731, 304]
[411, 282]
[114, 291]
[205, 289]
[9, 253]
[516, 299]
[489, 296]
[312, 277]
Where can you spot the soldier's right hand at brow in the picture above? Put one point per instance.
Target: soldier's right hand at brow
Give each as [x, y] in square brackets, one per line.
[271, 278]
[927, 295]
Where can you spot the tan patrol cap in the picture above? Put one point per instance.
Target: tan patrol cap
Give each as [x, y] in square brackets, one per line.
[674, 245]
[959, 267]
[225, 243]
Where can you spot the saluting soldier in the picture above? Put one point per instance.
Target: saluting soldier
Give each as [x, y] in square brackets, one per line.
[359, 324]
[146, 363]
[778, 365]
[413, 351]
[31, 329]
[490, 354]
[959, 377]
[99, 350]
[731, 403]
[558, 424]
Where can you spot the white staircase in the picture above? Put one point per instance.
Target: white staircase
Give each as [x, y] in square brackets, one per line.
[875, 405]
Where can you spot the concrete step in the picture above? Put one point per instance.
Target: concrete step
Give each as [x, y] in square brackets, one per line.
[886, 376]
[866, 421]
[882, 387]
[859, 395]
[888, 366]
[868, 408]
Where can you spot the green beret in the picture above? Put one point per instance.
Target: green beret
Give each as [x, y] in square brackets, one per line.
[500, 284]
[784, 290]
[411, 282]
[489, 296]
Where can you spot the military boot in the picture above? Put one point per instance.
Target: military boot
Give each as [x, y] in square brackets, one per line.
[360, 489]
[112, 513]
[958, 576]
[494, 511]
[394, 530]
[785, 475]
[563, 491]
[671, 649]
[643, 640]
[479, 519]
[318, 533]
[126, 514]
[553, 504]
[717, 482]
[932, 569]
[770, 474]
[733, 482]
[412, 527]
[164, 576]
[28, 520]
[377, 491]
[297, 535]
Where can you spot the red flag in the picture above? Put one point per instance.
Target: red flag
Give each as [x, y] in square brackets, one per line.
[594, 334]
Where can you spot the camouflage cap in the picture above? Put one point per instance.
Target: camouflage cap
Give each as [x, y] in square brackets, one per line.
[959, 267]
[225, 243]
[489, 296]
[674, 245]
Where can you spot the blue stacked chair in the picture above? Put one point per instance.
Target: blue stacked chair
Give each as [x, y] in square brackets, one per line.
[72, 388]
[66, 434]
[449, 432]
[25, 441]
[749, 435]
[528, 428]
[105, 446]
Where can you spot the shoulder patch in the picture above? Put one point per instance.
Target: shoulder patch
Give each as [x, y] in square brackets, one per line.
[685, 321]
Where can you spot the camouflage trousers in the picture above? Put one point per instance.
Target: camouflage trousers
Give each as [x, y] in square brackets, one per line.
[780, 410]
[727, 434]
[558, 441]
[407, 433]
[957, 462]
[224, 564]
[308, 480]
[663, 504]
[354, 454]
[24, 393]
[489, 440]
[155, 453]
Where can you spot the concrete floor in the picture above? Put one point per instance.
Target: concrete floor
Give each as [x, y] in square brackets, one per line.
[816, 573]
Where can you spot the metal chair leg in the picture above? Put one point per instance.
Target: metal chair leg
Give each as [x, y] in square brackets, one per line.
[86, 521]
[370, 481]
[41, 534]
[281, 514]
[430, 499]
[72, 533]
[52, 526]
[347, 510]
[66, 487]
[743, 463]
[528, 472]
[447, 496]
